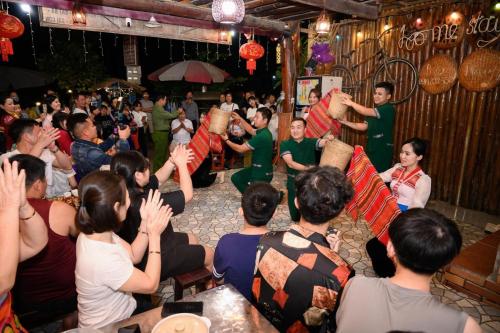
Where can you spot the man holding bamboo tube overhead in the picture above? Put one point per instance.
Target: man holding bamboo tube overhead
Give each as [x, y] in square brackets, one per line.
[379, 125]
[261, 145]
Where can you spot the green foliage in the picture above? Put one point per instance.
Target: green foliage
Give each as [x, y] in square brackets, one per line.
[69, 68]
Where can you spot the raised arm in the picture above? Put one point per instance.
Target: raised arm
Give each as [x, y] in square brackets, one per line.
[362, 110]
[243, 148]
[243, 123]
[181, 156]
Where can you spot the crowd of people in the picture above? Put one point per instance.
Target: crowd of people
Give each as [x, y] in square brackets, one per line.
[98, 263]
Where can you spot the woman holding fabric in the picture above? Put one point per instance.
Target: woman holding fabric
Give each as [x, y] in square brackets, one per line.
[411, 187]
[314, 97]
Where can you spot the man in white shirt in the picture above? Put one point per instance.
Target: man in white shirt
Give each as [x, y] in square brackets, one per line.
[147, 106]
[80, 104]
[141, 119]
[182, 128]
[228, 105]
[31, 139]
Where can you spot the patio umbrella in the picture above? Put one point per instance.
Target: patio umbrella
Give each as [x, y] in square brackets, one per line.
[191, 71]
[19, 78]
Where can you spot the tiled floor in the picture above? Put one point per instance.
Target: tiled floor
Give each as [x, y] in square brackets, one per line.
[213, 212]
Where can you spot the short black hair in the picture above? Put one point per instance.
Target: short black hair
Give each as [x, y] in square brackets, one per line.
[299, 119]
[259, 201]
[266, 113]
[389, 87]
[419, 146]
[74, 120]
[252, 98]
[98, 192]
[322, 193]
[424, 240]
[21, 126]
[32, 166]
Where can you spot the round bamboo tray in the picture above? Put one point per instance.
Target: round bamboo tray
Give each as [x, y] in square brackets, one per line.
[480, 70]
[438, 74]
[219, 120]
[336, 154]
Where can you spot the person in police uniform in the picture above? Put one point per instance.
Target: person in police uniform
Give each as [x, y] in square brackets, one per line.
[261, 145]
[299, 154]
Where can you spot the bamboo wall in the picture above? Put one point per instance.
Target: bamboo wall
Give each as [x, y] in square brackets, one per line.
[446, 121]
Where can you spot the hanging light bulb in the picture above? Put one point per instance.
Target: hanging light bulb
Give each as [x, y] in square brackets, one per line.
[323, 23]
[78, 13]
[26, 8]
[152, 23]
[359, 34]
[387, 26]
[228, 11]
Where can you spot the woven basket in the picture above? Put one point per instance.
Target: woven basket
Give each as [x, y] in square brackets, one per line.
[480, 70]
[219, 120]
[336, 109]
[336, 154]
[438, 74]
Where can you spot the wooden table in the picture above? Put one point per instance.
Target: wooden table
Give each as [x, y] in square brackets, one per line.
[227, 309]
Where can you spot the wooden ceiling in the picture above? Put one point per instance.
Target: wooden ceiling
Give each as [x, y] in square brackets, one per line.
[292, 10]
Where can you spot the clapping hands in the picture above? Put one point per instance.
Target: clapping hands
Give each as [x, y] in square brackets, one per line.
[154, 214]
[182, 155]
[12, 186]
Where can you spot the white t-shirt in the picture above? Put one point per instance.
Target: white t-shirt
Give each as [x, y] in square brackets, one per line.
[138, 115]
[229, 107]
[57, 180]
[101, 269]
[252, 111]
[182, 136]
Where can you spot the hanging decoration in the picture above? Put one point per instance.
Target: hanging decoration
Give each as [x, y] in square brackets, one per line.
[69, 35]
[116, 39]
[184, 50]
[84, 47]
[229, 50]
[251, 51]
[239, 46]
[157, 43]
[10, 27]
[217, 51]
[197, 48]
[208, 50]
[267, 55]
[170, 49]
[51, 46]
[228, 11]
[146, 46]
[278, 53]
[100, 44]
[323, 24]
[78, 14]
[33, 50]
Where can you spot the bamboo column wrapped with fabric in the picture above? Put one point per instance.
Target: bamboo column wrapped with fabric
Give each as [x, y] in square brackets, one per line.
[219, 121]
[336, 154]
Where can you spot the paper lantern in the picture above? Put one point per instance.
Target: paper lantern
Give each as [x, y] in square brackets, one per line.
[228, 11]
[251, 51]
[78, 14]
[10, 27]
[323, 24]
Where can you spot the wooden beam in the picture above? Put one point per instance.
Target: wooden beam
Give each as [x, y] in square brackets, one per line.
[300, 17]
[257, 3]
[183, 14]
[263, 9]
[343, 6]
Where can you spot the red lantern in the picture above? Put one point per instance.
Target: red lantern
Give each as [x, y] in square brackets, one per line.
[251, 51]
[10, 27]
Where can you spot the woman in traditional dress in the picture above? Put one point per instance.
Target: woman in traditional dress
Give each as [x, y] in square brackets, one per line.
[314, 97]
[411, 187]
[7, 117]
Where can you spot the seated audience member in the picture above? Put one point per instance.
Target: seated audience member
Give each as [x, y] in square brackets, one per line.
[45, 283]
[252, 109]
[89, 156]
[59, 120]
[105, 274]
[181, 252]
[234, 260]
[182, 128]
[298, 272]
[421, 242]
[22, 235]
[31, 139]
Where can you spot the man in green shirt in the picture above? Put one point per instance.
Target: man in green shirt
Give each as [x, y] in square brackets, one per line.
[261, 145]
[299, 154]
[161, 125]
[379, 123]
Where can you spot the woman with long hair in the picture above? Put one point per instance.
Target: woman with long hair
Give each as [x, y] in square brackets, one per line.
[181, 252]
[105, 275]
[7, 117]
[53, 106]
[314, 97]
[59, 120]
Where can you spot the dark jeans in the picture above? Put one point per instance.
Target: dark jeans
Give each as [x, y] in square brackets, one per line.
[382, 265]
[229, 152]
[143, 141]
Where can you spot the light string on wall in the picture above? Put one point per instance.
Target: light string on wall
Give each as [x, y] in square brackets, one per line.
[100, 44]
[84, 47]
[51, 46]
[145, 46]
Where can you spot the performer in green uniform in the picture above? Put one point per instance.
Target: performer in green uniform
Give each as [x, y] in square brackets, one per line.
[299, 154]
[379, 122]
[161, 125]
[261, 145]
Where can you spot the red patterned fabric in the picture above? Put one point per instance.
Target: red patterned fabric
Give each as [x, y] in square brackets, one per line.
[201, 144]
[319, 122]
[372, 199]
